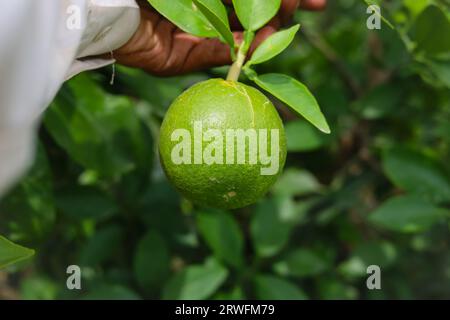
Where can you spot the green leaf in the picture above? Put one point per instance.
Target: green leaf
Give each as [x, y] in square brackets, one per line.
[100, 131]
[85, 203]
[303, 137]
[415, 6]
[417, 173]
[216, 13]
[253, 14]
[407, 214]
[111, 292]
[185, 15]
[269, 231]
[29, 209]
[273, 45]
[301, 263]
[296, 182]
[11, 253]
[223, 236]
[101, 246]
[431, 30]
[38, 287]
[441, 70]
[151, 263]
[380, 101]
[295, 95]
[334, 289]
[386, 21]
[380, 253]
[273, 288]
[195, 282]
[237, 293]
[158, 92]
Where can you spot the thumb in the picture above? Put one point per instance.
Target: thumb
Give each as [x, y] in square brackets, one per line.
[208, 53]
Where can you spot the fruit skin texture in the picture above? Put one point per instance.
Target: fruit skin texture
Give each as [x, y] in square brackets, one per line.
[220, 104]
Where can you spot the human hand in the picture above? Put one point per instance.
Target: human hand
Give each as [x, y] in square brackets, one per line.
[160, 48]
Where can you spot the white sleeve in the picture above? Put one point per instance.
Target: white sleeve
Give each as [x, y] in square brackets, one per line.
[42, 43]
[110, 23]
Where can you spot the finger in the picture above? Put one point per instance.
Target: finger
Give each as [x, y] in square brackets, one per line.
[313, 4]
[208, 53]
[287, 10]
[262, 35]
[235, 24]
[194, 54]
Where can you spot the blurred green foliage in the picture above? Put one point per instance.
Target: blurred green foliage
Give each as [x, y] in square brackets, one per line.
[376, 191]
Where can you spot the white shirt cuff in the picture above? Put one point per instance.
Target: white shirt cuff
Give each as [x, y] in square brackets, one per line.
[110, 24]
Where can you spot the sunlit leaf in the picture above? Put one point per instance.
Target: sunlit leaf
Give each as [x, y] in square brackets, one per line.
[215, 12]
[11, 253]
[253, 14]
[185, 15]
[273, 45]
[295, 95]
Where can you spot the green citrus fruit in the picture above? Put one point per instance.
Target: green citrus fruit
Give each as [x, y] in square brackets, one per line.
[222, 144]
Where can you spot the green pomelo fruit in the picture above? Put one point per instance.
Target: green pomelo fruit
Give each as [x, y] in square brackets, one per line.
[221, 105]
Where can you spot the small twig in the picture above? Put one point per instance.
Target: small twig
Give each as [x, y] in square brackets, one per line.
[236, 67]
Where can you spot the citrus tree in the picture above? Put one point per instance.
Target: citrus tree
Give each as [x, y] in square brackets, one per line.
[375, 191]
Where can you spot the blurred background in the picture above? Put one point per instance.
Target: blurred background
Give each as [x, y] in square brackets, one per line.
[375, 191]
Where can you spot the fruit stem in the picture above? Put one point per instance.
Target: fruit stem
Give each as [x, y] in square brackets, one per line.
[236, 67]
